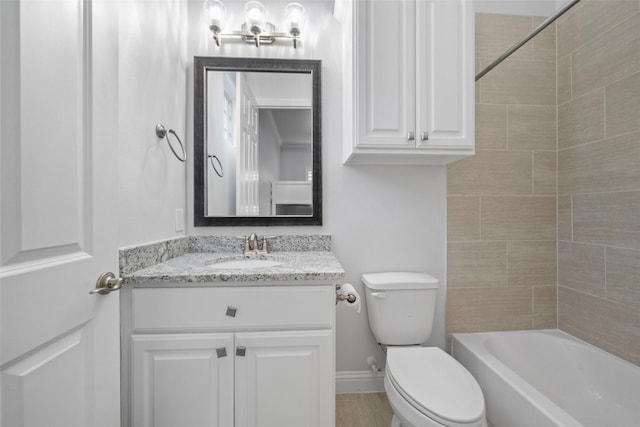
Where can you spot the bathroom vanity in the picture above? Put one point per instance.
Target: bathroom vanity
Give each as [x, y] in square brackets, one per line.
[225, 339]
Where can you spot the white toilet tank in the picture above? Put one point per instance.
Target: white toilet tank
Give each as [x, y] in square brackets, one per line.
[400, 306]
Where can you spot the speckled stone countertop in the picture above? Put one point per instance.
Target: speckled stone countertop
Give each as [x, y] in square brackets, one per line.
[193, 259]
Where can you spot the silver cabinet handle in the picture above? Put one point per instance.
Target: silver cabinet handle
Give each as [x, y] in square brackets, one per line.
[241, 351]
[231, 311]
[107, 282]
[411, 136]
[221, 352]
[425, 136]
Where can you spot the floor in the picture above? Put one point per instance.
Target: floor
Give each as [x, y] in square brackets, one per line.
[363, 410]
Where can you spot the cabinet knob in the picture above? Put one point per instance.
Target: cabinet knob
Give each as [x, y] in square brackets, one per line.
[231, 311]
[425, 136]
[241, 351]
[411, 136]
[221, 352]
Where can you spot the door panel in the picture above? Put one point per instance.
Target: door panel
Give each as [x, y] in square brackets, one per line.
[59, 356]
[445, 73]
[385, 64]
[182, 380]
[285, 379]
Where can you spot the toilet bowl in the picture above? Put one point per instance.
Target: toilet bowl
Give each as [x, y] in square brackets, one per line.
[426, 387]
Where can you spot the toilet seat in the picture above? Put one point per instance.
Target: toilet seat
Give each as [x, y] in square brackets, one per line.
[436, 385]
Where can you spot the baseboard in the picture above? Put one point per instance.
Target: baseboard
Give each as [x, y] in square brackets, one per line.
[359, 382]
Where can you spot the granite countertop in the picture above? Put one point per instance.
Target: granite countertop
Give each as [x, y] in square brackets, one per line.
[184, 266]
[197, 267]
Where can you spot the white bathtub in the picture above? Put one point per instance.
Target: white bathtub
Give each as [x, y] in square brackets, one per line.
[549, 378]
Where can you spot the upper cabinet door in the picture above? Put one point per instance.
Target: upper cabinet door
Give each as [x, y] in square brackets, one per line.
[445, 74]
[386, 70]
[409, 83]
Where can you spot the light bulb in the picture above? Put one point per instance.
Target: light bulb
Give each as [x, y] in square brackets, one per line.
[254, 16]
[295, 17]
[214, 12]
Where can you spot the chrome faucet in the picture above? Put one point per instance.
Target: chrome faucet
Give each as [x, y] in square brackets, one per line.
[253, 245]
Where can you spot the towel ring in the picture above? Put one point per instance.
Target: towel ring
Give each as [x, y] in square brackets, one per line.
[220, 172]
[161, 132]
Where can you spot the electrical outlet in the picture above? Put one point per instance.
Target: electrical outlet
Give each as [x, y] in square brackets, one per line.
[179, 219]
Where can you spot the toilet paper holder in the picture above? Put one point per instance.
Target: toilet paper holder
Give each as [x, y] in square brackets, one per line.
[344, 297]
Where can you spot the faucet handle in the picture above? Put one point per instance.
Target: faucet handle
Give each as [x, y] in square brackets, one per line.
[265, 244]
[245, 249]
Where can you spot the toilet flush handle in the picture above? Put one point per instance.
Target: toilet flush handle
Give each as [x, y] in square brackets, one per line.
[380, 295]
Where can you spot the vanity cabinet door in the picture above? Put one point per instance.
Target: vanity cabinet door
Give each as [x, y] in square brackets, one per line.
[284, 379]
[182, 380]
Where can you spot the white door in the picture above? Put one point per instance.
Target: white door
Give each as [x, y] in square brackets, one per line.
[284, 379]
[247, 175]
[59, 356]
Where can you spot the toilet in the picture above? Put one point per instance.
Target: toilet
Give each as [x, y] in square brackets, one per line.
[425, 386]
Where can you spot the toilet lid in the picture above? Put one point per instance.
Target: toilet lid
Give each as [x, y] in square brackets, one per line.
[435, 384]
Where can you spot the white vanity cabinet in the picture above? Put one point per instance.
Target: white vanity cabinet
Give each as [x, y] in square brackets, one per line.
[409, 81]
[245, 356]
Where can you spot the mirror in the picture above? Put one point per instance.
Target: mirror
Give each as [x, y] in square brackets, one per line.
[257, 142]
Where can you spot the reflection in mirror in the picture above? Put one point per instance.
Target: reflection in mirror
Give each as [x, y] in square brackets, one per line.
[259, 130]
[257, 142]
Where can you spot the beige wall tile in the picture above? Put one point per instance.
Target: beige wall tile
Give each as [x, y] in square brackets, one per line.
[623, 275]
[532, 127]
[609, 165]
[520, 82]
[491, 172]
[544, 172]
[608, 58]
[531, 263]
[607, 324]
[564, 218]
[545, 307]
[491, 126]
[623, 106]
[471, 264]
[463, 218]
[609, 218]
[581, 267]
[581, 120]
[589, 19]
[564, 79]
[488, 309]
[544, 44]
[495, 33]
[518, 218]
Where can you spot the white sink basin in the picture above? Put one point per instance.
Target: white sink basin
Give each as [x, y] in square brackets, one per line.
[245, 264]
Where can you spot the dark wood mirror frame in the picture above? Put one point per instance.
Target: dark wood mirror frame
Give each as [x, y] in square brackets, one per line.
[201, 66]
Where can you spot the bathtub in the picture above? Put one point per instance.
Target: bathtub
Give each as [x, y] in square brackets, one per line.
[549, 378]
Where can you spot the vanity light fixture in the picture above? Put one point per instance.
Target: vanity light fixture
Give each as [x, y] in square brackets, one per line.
[255, 28]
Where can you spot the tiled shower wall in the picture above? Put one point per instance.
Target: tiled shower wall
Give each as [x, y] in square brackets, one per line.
[599, 175]
[503, 269]
[502, 202]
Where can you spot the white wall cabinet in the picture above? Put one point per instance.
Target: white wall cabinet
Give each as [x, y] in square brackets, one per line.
[230, 356]
[409, 81]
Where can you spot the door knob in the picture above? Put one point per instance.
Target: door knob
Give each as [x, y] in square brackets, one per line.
[107, 282]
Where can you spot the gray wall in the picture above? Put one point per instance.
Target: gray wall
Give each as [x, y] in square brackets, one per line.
[380, 217]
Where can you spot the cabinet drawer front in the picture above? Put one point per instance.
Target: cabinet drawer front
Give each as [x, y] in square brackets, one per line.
[220, 309]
